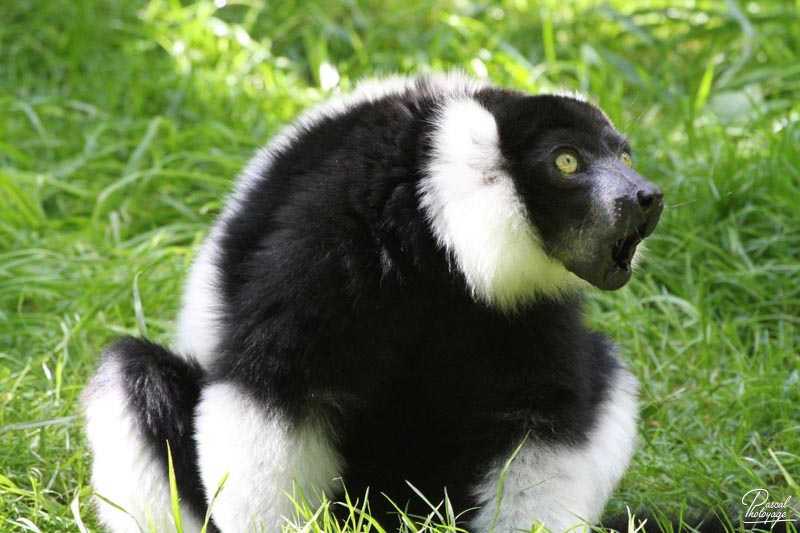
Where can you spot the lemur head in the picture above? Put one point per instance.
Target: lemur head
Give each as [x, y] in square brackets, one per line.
[532, 194]
[574, 173]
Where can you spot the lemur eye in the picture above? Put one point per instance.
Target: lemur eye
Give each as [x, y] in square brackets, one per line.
[567, 163]
[626, 159]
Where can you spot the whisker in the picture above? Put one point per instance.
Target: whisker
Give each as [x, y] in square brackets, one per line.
[679, 205]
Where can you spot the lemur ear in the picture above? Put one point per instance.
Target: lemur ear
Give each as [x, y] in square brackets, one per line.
[519, 118]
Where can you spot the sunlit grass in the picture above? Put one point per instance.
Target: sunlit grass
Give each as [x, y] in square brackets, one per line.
[123, 124]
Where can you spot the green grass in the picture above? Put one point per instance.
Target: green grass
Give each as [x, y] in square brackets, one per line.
[123, 123]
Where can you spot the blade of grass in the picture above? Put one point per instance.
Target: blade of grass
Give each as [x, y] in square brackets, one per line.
[207, 518]
[501, 481]
[173, 492]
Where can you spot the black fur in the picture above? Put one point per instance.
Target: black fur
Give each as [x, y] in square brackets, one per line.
[469, 394]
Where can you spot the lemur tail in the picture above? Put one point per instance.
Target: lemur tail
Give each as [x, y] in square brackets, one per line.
[645, 522]
[141, 398]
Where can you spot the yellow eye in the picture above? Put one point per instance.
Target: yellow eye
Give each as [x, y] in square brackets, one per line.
[626, 159]
[567, 163]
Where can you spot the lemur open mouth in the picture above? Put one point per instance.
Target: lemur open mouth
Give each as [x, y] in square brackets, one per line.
[623, 250]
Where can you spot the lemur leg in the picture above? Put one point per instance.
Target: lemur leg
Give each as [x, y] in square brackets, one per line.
[564, 486]
[263, 455]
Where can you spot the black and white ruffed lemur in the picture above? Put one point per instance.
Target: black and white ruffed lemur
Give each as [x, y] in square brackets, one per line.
[390, 298]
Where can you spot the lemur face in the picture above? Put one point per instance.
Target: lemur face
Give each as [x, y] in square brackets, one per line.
[574, 174]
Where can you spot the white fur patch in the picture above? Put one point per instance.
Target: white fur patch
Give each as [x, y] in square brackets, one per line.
[477, 216]
[125, 469]
[198, 330]
[262, 455]
[562, 486]
[569, 93]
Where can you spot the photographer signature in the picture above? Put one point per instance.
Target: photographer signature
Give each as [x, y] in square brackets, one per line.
[761, 509]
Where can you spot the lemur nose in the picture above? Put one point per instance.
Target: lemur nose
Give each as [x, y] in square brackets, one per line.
[650, 198]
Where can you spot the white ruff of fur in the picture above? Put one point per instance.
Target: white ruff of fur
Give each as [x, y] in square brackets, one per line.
[564, 487]
[197, 335]
[198, 332]
[477, 216]
[262, 456]
[126, 470]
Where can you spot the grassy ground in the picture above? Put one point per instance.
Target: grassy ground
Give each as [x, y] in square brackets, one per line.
[122, 124]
